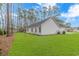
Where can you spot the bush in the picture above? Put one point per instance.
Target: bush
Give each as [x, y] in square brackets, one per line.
[2, 32]
[5, 32]
[63, 32]
[58, 32]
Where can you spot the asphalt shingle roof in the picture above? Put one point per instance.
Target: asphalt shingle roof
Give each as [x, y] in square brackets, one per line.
[54, 19]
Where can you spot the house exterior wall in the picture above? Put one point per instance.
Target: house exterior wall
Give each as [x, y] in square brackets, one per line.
[29, 30]
[37, 30]
[34, 32]
[49, 27]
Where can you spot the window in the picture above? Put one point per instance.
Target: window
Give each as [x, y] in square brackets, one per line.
[35, 29]
[40, 29]
[31, 29]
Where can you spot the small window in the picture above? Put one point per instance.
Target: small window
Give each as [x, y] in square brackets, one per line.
[35, 29]
[31, 29]
[40, 29]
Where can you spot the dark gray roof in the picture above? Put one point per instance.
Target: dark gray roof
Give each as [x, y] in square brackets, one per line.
[39, 23]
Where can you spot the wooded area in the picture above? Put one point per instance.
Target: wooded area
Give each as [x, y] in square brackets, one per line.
[15, 18]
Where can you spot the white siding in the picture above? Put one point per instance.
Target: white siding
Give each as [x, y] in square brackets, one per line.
[37, 30]
[33, 29]
[29, 30]
[49, 27]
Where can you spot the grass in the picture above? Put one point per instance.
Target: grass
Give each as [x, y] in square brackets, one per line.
[51, 45]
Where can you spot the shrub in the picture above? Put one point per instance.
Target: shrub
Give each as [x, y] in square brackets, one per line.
[63, 32]
[58, 32]
[2, 32]
[5, 32]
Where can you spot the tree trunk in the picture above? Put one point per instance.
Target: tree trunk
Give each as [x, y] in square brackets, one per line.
[8, 20]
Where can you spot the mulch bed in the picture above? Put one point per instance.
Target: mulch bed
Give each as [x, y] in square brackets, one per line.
[5, 44]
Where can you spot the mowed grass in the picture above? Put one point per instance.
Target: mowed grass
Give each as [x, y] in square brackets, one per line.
[52, 45]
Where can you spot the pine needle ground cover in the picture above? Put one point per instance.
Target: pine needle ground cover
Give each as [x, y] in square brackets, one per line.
[52, 45]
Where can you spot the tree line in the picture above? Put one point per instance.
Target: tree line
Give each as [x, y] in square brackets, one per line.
[24, 17]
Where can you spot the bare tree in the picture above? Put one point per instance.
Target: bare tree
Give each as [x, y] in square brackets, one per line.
[44, 12]
[25, 17]
[31, 16]
[20, 18]
[8, 19]
[1, 16]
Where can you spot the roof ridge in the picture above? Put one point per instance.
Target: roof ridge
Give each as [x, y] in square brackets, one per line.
[37, 23]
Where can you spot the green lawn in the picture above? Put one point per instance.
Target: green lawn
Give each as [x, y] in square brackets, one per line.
[52, 45]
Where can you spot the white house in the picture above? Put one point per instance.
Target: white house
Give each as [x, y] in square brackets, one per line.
[45, 27]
